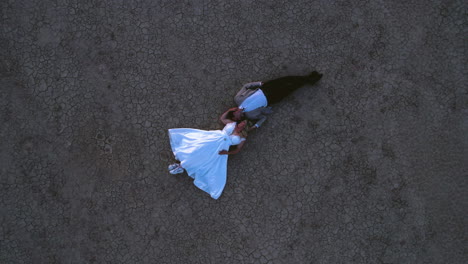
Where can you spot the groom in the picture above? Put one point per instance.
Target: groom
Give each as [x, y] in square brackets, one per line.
[254, 98]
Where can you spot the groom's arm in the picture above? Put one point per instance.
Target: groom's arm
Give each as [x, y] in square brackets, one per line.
[252, 85]
[259, 122]
[244, 92]
[262, 116]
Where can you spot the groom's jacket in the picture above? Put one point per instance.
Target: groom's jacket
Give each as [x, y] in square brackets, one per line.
[258, 114]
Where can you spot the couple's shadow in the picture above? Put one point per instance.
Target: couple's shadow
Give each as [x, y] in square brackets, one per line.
[300, 98]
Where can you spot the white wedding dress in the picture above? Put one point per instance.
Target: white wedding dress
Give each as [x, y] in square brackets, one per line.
[198, 153]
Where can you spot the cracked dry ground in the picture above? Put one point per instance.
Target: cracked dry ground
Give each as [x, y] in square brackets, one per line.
[368, 166]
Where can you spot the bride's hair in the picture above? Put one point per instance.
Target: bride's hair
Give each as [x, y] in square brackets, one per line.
[248, 125]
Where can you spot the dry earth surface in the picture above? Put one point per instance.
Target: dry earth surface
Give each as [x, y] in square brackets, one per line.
[367, 166]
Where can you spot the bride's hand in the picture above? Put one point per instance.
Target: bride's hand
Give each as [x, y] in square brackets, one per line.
[223, 152]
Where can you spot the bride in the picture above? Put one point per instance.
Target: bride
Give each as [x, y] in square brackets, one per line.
[203, 154]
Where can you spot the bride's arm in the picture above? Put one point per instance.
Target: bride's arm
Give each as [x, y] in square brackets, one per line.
[238, 148]
[224, 118]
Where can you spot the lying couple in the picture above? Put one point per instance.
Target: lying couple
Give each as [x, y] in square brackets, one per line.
[203, 154]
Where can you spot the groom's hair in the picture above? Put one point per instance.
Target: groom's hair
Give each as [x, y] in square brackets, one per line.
[230, 115]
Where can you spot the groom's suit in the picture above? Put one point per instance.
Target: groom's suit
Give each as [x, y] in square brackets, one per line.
[258, 114]
[271, 92]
